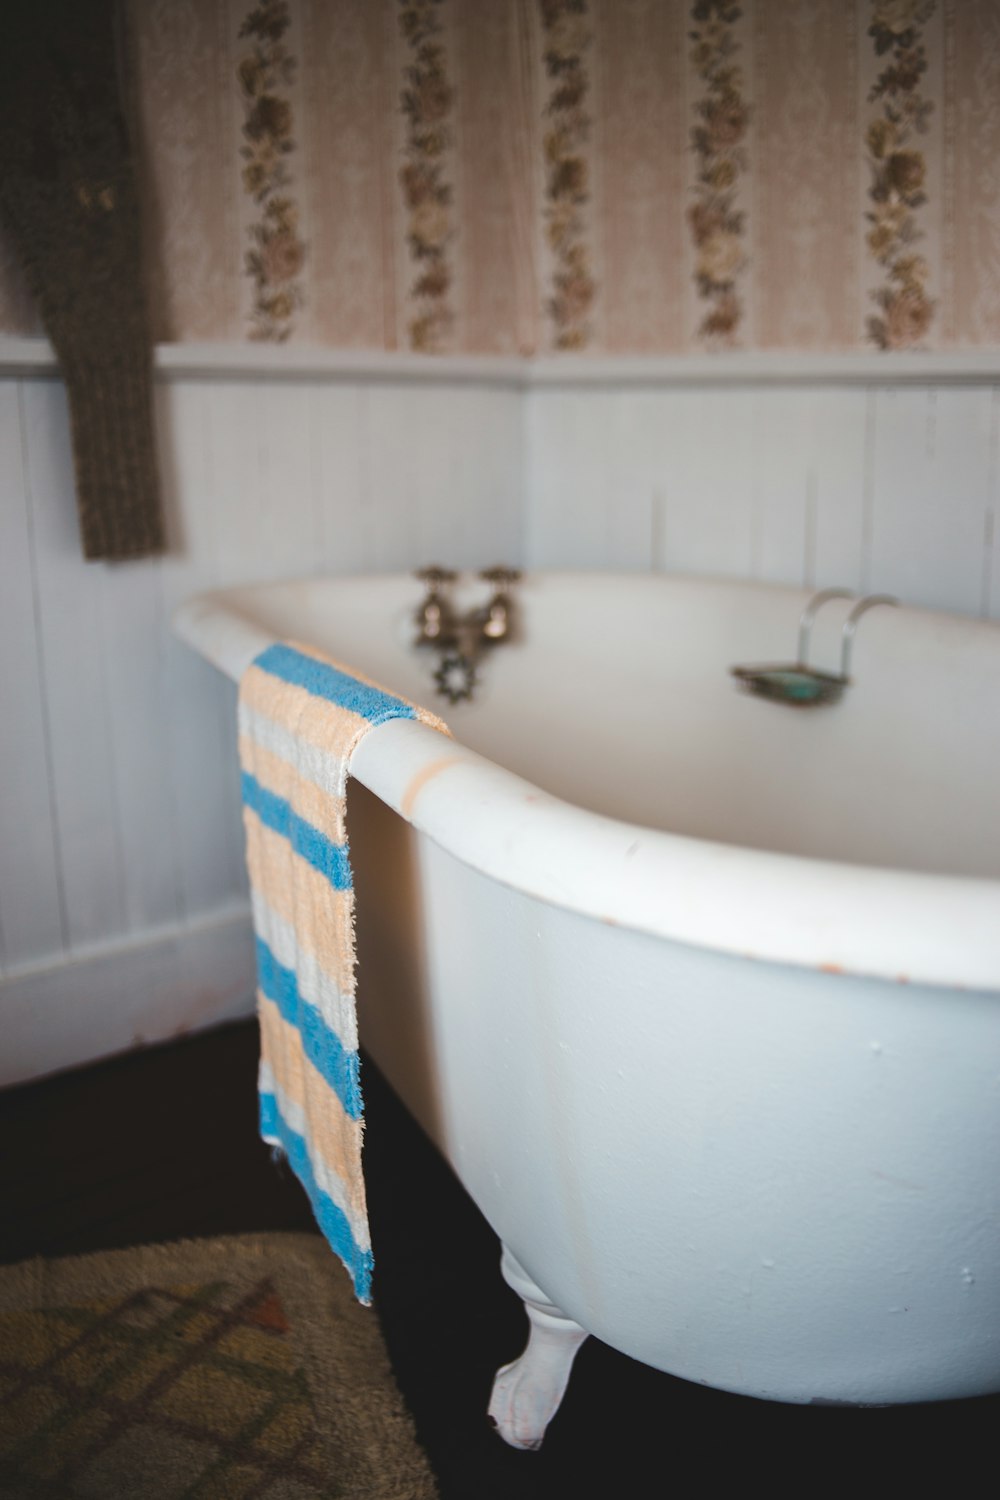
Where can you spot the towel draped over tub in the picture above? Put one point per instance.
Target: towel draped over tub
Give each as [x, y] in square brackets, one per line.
[301, 716]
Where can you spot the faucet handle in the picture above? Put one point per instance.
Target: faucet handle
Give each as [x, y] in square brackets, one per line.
[500, 576]
[434, 619]
[496, 622]
[434, 577]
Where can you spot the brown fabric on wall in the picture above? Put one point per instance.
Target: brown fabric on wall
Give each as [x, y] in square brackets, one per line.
[69, 201]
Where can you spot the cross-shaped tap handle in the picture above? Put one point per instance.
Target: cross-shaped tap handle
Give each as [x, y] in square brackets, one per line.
[500, 576]
[434, 577]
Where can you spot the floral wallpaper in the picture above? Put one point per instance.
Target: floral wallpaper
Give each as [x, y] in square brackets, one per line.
[718, 141]
[899, 173]
[567, 34]
[276, 253]
[426, 101]
[550, 176]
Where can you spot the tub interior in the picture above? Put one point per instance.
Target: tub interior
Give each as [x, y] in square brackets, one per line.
[618, 697]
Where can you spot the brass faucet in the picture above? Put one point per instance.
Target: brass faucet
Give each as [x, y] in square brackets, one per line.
[461, 639]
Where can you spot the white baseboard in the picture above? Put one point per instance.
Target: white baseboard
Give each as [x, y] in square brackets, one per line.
[181, 981]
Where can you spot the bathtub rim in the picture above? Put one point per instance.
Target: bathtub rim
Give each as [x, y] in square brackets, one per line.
[907, 927]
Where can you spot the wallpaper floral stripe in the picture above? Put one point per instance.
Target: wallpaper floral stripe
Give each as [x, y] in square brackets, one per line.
[899, 173]
[426, 102]
[276, 253]
[568, 175]
[718, 140]
[567, 36]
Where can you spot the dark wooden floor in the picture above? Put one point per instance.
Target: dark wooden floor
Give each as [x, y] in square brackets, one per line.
[163, 1144]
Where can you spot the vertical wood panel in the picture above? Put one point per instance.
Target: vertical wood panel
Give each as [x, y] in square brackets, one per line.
[200, 702]
[931, 487]
[441, 475]
[492, 469]
[572, 473]
[783, 496]
[394, 437]
[288, 472]
[471, 515]
[403, 475]
[31, 922]
[629, 528]
[837, 485]
[75, 681]
[809, 486]
[133, 639]
[588, 485]
[706, 480]
[337, 418]
[544, 422]
[262, 496]
[443, 523]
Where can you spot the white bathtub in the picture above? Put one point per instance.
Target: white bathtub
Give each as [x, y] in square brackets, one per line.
[698, 994]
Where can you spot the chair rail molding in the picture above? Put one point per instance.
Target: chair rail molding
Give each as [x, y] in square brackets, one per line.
[25, 357]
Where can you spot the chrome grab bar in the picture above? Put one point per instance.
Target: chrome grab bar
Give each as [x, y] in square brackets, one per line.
[851, 625]
[809, 614]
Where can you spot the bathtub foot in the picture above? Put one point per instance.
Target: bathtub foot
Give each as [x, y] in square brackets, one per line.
[527, 1393]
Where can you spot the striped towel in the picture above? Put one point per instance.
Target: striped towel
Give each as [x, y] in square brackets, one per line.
[300, 718]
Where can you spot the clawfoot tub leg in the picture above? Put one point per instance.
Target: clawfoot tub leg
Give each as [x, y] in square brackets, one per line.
[527, 1393]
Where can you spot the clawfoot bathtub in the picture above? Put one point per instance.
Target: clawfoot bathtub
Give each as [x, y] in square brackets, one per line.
[698, 994]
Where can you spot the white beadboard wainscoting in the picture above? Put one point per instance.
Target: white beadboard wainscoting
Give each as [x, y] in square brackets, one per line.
[123, 915]
[120, 835]
[887, 488]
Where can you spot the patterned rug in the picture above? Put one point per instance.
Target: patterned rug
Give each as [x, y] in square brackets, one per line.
[239, 1368]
